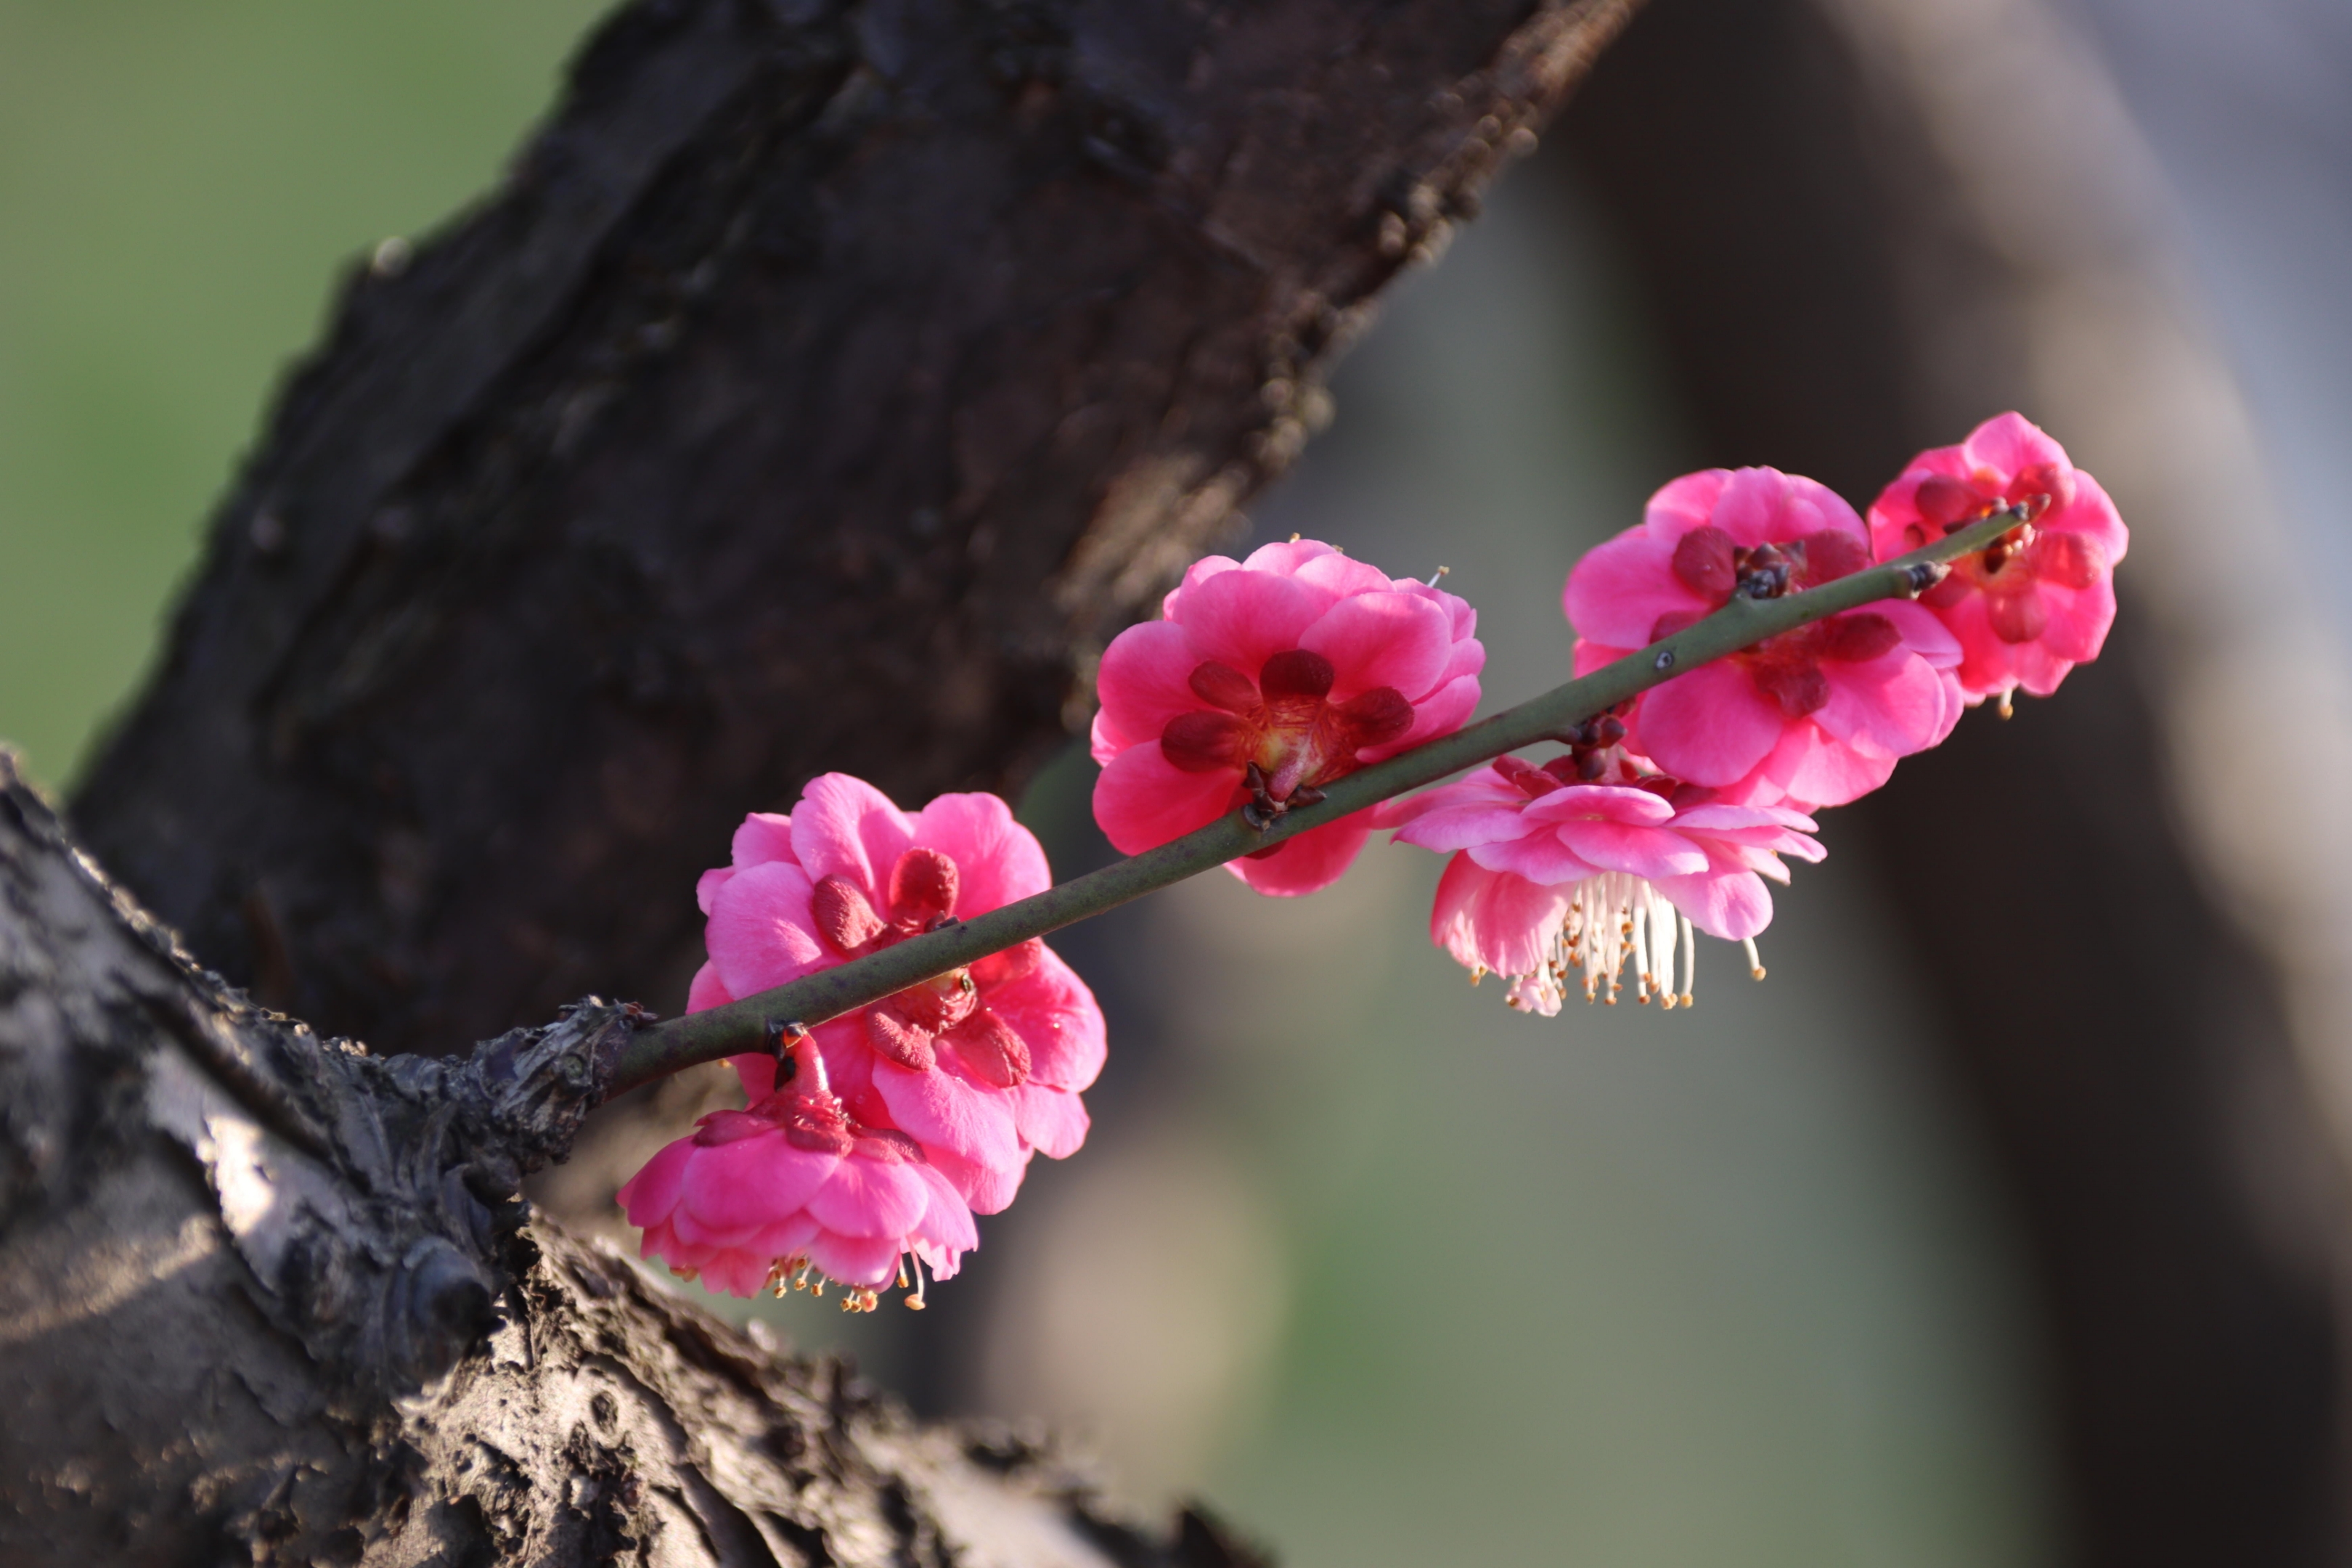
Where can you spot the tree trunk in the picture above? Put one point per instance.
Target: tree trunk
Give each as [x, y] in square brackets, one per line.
[823, 384]
[275, 1300]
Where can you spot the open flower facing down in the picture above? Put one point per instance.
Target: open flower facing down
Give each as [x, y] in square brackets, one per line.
[796, 1189]
[982, 1068]
[2040, 602]
[1556, 881]
[1812, 717]
[1264, 679]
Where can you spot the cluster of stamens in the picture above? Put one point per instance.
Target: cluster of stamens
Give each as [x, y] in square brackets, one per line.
[786, 1275]
[1612, 919]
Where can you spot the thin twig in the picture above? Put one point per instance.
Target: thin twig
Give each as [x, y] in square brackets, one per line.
[741, 1026]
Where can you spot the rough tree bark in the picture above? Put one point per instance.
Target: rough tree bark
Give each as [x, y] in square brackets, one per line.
[272, 1298]
[824, 382]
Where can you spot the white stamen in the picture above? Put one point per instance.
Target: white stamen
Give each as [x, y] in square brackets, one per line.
[1754, 965]
[915, 1301]
[1612, 918]
[1690, 956]
[1441, 572]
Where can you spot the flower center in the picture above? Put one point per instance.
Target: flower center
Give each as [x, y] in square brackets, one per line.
[922, 897]
[1283, 722]
[1788, 667]
[909, 1026]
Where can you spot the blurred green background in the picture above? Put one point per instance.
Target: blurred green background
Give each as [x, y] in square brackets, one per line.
[1394, 1275]
[181, 184]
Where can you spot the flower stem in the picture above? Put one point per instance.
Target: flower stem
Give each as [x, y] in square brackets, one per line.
[743, 1025]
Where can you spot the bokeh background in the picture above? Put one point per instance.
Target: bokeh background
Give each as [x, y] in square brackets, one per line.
[2002, 1225]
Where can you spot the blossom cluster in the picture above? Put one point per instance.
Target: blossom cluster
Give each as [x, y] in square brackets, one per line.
[869, 1143]
[1665, 818]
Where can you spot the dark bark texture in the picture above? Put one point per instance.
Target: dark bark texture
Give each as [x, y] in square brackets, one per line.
[2129, 1096]
[824, 384]
[270, 1299]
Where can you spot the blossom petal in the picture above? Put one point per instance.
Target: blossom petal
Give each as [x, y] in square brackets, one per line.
[1922, 630]
[940, 1107]
[734, 1189]
[946, 1220]
[756, 1071]
[652, 1193]
[1314, 859]
[871, 1198]
[734, 1272]
[764, 836]
[1144, 682]
[1052, 1120]
[1814, 770]
[1244, 618]
[788, 1238]
[707, 886]
[1682, 504]
[1450, 827]
[1442, 713]
[1383, 640]
[1058, 1018]
[1765, 506]
[1612, 803]
[1709, 727]
[2009, 444]
[1651, 852]
[984, 1188]
[2093, 513]
[868, 1261]
[1142, 800]
[1620, 588]
[2079, 621]
[844, 826]
[1589, 656]
[1494, 920]
[1476, 791]
[1727, 906]
[997, 859]
[1325, 566]
[1571, 851]
[761, 933]
[1897, 716]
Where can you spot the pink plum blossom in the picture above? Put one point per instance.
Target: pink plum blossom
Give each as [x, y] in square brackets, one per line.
[1812, 717]
[1552, 876]
[2040, 602]
[796, 1185]
[982, 1066]
[1264, 679]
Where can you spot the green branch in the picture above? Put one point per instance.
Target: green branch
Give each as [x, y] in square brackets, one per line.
[743, 1025]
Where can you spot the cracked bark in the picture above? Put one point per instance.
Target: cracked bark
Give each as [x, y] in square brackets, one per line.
[823, 384]
[269, 1297]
